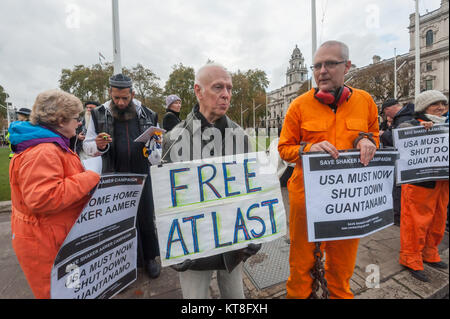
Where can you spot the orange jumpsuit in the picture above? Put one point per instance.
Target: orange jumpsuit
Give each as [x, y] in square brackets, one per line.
[422, 223]
[49, 188]
[308, 120]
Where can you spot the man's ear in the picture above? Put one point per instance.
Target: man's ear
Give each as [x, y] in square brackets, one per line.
[348, 65]
[198, 91]
[132, 94]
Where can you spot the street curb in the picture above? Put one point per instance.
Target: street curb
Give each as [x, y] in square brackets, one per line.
[5, 207]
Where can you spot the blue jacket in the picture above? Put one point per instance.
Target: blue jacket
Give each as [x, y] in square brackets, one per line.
[23, 134]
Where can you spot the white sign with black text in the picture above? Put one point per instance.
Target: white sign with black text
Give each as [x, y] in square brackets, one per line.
[423, 153]
[98, 257]
[345, 199]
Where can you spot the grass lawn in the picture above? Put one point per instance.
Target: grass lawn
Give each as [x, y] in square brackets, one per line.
[5, 191]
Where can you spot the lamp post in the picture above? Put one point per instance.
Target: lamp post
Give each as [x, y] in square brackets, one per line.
[395, 73]
[268, 99]
[242, 112]
[254, 109]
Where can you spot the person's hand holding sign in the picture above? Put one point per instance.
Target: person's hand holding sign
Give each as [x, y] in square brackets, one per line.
[367, 150]
[366, 146]
[426, 124]
[325, 146]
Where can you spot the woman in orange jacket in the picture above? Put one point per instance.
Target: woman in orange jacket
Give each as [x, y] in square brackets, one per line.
[424, 205]
[49, 186]
[322, 121]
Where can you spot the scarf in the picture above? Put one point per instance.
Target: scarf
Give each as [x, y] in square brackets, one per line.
[24, 135]
[436, 118]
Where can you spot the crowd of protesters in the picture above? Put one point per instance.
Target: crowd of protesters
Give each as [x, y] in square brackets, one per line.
[49, 185]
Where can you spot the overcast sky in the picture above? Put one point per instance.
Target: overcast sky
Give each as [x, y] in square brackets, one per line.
[38, 38]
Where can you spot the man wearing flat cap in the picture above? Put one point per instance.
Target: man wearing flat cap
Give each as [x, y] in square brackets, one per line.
[391, 108]
[111, 132]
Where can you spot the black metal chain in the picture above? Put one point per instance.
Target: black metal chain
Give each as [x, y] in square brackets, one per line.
[318, 275]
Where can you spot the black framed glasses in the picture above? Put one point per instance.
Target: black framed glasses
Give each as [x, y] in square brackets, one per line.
[328, 65]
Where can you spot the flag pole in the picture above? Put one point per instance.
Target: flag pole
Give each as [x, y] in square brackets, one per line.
[314, 37]
[116, 37]
[417, 47]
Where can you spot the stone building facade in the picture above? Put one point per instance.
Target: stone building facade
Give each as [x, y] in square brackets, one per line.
[434, 64]
[434, 48]
[278, 100]
[434, 56]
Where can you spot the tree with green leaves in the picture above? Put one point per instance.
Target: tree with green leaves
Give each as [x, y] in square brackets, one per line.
[87, 83]
[378, 80]
[92, 83]
[146, 86]
[248, 86]
[3, 97]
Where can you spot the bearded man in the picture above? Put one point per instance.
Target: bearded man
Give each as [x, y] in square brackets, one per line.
[113, 128]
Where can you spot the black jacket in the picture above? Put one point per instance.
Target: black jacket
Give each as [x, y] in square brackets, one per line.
[130, 158]
[170, 119]
[404, 115]
[125, 155]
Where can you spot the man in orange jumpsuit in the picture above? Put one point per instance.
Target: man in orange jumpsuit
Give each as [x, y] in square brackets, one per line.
[329, 118]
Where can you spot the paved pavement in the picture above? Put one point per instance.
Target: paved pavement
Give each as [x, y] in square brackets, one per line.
[377, 254]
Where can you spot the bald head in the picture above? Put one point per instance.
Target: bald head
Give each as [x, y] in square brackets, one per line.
[342, 47]
[207, 73]
[212, 88]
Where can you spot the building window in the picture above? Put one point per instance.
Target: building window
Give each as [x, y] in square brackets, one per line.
[429, 37]
[429, 66]
[428, 85]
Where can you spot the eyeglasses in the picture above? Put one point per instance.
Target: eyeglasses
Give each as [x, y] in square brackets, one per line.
[328, 65]
[78, 119]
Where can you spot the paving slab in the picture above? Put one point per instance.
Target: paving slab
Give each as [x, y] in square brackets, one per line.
[5, 207]
[390, 289]
[166, 286]
[269, 267]
[13, 282]
[437, 288]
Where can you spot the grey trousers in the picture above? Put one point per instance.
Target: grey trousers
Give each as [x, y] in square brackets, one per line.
[195, 283]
